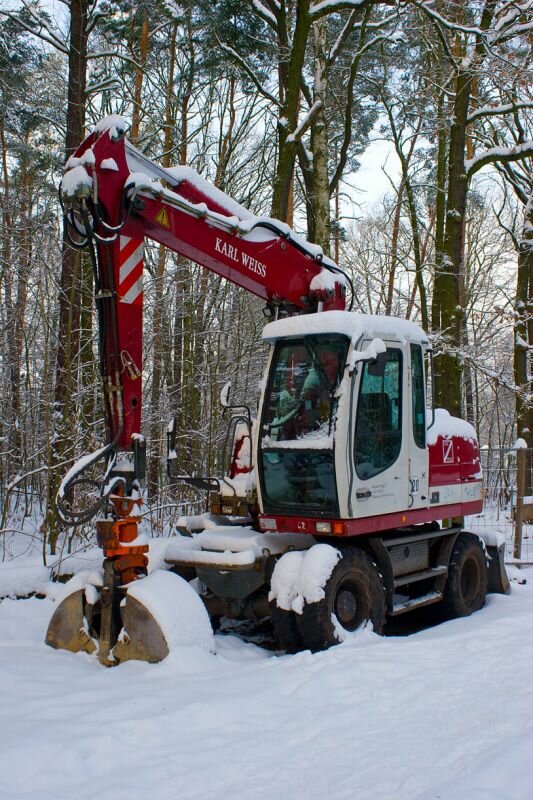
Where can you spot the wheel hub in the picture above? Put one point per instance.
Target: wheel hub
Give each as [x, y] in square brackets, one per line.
[470, 581]
[346, 608]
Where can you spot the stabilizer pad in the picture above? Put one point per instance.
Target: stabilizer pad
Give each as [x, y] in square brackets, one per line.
[498, 582]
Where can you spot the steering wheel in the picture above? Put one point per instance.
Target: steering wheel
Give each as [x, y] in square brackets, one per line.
[278, 422]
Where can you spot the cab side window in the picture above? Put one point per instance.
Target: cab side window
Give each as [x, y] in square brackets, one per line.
[378, 429]
[418, 395]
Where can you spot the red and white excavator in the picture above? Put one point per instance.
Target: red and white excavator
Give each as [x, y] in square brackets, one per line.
[359, 489]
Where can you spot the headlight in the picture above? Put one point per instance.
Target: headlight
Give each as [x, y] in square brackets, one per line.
[323, 527]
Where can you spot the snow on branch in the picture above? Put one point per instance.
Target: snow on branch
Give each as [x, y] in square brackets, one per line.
[318, 10]
[509, 14]
[20, 478]
[265, 14]
[510, 24]
[497, 378]
[114, 54]
[501, 154]
[426, 6]
[106, 83]
[490, 111]
[249, 71]
[306, 122]
[43, 30]
[341, 39]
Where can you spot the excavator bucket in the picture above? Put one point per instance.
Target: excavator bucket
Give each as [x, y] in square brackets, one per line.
[141, 621]
[68, 628]
[141, 638]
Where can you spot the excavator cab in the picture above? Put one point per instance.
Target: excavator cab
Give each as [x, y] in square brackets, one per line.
[343, 429]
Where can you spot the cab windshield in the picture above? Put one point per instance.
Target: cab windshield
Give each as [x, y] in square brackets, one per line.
[297, 467]
[301, 403]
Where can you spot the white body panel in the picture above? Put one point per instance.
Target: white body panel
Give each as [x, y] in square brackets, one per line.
[418, 488]
[387, 491]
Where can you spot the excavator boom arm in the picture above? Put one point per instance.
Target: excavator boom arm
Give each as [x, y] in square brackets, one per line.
[128, 198]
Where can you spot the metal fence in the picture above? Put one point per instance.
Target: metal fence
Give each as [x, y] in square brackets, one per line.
[507, 485]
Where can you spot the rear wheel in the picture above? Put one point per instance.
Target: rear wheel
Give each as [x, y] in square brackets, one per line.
[466, 587]
[354, 596]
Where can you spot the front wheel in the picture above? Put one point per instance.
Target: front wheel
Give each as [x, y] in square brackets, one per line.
[466, 587]
[354, 596]
[286, 628]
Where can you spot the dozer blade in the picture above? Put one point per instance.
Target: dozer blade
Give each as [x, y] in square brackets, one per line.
[67, 629]
[141, 637]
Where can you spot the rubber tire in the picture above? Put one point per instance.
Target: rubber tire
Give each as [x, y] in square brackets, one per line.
[286, 628]
[356, 574]
[466, 586]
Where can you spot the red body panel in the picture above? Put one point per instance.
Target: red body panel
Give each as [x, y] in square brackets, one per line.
[453, 459]
[385, 522]
[272, 270]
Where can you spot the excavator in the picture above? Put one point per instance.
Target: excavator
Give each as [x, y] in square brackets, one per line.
[352, 488]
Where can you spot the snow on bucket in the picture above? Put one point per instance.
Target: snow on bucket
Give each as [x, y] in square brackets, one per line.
[161, 613]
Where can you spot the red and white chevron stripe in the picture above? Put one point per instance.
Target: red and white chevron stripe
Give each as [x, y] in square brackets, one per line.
[130, 285]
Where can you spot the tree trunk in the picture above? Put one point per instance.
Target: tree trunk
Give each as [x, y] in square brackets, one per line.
[155, 436]
[138, 83]
[69, 290]
[523, 329]
[451, 269]
[449, 304]
[319, 145]
[290, 79]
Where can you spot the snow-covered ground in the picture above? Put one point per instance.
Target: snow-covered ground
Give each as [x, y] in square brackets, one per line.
[446, 713]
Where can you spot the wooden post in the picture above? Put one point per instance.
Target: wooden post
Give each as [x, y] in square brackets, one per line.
[521, 461]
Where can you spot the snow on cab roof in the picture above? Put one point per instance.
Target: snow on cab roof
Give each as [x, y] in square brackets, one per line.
[350, 323]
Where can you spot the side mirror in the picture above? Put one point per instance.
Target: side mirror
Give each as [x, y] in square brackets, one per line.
[172, 456]
[226, 403]
[224, 395]
[376, 366]
[371, 353]
[139, 457]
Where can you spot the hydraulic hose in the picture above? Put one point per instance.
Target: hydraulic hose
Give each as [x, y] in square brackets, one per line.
[284, 234]
[104, 287]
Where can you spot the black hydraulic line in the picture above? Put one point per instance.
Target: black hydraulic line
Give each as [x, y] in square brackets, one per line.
[271, 226]
[105, 296]
[99, 215]
[69, 220]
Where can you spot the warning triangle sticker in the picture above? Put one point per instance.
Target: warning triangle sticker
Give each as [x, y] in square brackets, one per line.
[162, 218]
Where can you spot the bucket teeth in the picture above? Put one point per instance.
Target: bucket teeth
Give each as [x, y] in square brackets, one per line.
[68, 628]
[141, 637]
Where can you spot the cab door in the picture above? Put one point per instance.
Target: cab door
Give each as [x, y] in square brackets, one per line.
[380, 448]
[418, 452]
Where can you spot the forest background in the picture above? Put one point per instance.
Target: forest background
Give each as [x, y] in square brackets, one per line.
[274, 102]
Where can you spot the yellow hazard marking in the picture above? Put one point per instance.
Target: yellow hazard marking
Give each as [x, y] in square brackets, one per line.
[162, 218]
